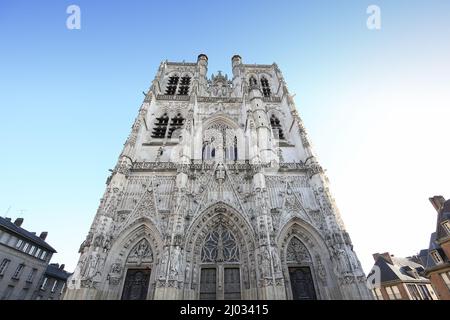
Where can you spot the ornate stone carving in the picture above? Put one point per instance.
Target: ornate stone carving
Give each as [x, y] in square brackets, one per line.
[297, 252]
[220, 246]
[141, 253]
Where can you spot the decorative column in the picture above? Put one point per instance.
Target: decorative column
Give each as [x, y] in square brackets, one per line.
[271, 282]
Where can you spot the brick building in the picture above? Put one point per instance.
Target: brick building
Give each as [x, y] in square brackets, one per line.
[401, 279]
[437, 258]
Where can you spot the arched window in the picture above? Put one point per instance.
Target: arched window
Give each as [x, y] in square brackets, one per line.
[265, 87]
[276, 127]
[231, 151]
[183, 88]
[209, 152]
[176, 123]
[220, 255]
[252, 81]
[172, 85]
[178, 86]
[160, 127]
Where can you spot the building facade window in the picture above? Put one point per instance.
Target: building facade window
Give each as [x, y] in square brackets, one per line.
[25, 247]
[183, 88]
[4, 265]
[19, 244]
[55, 285]
[160, 126]
[62, 288]
[265, 87]
[436, 257]
[37, 253]
[177, 85]
[31, 275]
[393, 293]
[44, 283]
[209, 153]
[18, 271]
[172, 84]
[176, 123]
[377, 294]
[43, 255]
[446, 225]
[446, 277]
[31, 251]
[276, 127]
[425, 292]
[414, 292]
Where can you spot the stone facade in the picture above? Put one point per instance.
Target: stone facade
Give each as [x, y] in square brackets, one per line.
[217, 194]
[24, 258]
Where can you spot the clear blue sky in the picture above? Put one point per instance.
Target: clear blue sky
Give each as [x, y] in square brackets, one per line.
[376, 103]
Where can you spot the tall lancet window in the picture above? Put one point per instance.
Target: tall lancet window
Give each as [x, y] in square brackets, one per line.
[160, 127]
[265, 87]
[252, 81]
[276, 127]
[172, 85]
[208, 152]
[231, 150]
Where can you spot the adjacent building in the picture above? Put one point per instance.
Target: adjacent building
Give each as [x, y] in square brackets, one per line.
[24, 260]
[52, 285]
[437, 257]
[217, 194]
[401, 279]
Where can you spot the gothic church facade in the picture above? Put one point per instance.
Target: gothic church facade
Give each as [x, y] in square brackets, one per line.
[217, 194]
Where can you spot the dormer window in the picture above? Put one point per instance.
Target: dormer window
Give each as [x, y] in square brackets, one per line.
[436, 257]
[265, 87]
[160, 128]
[276, 128]
[446, 226]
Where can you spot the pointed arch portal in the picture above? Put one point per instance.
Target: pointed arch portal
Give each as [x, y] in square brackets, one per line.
[220, 250]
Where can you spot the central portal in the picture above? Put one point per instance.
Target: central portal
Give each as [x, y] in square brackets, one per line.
[220, 282]
[220, 271]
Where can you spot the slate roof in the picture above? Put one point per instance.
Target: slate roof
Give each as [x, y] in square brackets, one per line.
[440, 233]
[7, 224]
[400, 269]
[55, 272]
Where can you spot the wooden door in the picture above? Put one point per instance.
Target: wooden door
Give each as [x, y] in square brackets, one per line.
[232, 284]
[302, 283]
[208, 280]
[136, 284]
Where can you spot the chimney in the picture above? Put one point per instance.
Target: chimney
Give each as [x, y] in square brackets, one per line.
[18, 222]
[61, 267]
[43, 235]
[437, 202]
[386, 256]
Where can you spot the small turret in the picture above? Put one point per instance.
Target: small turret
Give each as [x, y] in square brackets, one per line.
[202, 62]
[236, 62]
